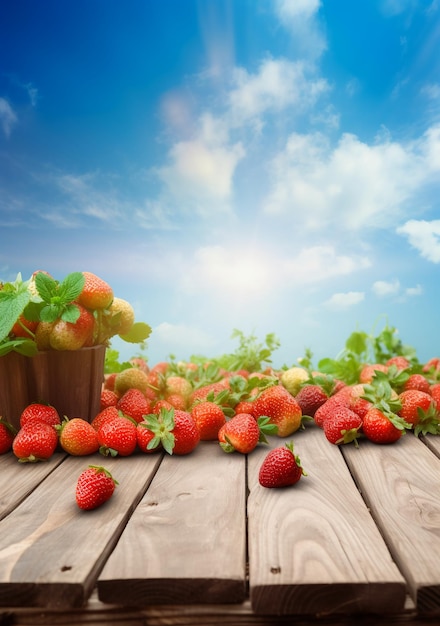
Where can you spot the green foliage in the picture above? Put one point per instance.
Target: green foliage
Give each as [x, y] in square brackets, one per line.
[138, 333]
[112, 365]
[13, 299]
[250, 355]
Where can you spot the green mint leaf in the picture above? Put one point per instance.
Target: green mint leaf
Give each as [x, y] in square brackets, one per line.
[50, 313]
[46, 286]
[14, 297]
[70, 288]
[70, 314]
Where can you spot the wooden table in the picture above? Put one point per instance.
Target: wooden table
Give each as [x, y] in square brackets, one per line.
[196, 540]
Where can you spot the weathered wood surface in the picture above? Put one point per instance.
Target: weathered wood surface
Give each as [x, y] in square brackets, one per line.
[186, 542]
[348, 542]
[50, 551]
[401, 485]
[315, 548]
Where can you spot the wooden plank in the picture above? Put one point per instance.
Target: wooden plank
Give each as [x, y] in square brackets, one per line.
[50, 551]
[313, 547]
[186, 541]
[401, 484]
[433, 443]
[18, 480]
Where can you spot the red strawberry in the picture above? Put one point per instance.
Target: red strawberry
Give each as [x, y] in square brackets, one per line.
[310, 398]
[177, 401]
[435, 394]
[280, 468]
[420, 410]
[7, 434]
[96, 293]
[109, 382]
[343, 426]
[73, 336]
[210, 391]
[209, 418]
[243, 432]
[40, 412]
[175, 430]
[24, 328]
[78, 437]
[134, 404]
[382, 428]
[281, 407]
[244, 406]
[367, 372]
[108, 398]
[117, 437]
[144, 437]
[35, 442]
[399, 361]
[417, 381]
[106, 415]
[95, 486]
[326, 409]
[161, 404]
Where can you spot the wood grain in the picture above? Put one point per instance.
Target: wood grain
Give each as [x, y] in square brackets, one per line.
[50, 551]
[313, 547]
[401, 484]
[186, 542]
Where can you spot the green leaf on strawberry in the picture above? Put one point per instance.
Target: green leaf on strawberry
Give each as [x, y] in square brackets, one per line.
[14, 297]
[58, 297]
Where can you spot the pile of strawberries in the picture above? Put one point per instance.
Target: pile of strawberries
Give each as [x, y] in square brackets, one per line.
[172, 409]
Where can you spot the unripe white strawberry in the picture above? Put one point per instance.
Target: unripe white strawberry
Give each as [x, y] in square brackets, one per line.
[293, 378]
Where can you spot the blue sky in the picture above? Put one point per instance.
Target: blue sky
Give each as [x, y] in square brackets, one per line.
[266, 165]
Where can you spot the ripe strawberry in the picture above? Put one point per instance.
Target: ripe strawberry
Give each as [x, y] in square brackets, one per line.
[280, 468]
[134, 404]
[281, 407]
[122, 316]
[24, 328]
[399, 361]
[209, 418]
[310, 398]
[435, 394]
[417, 381]
[243, 432]
[420, 410]
[7, 434]
[106, 415]
[209, 391]
[73, 336]
[368, 371]
[175, 430]
[108, 398]
[130, 378]
[161, 404]
[96, 293]
[117, 437]
[35, 442]
[109, 381]
[144, 437]
[244, 406]
[326, 409]
[95, 486]
[177, 401]
[78, 437]
[40, 412]
[382, 428]
[343, 426]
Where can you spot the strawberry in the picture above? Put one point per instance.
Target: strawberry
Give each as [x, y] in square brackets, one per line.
[420, 410]
[381, 427]
[343, 426]
[175, 430]
[368, 371]
[281, 407]
[326, 409]
[161, 404]
[108, 398]
[130, 378]
[310, 398]
[293, 378]
[78, 437]
[243, 432]
[178, 385]
[144, 437]
[417, 381]
[73, 336]
[117, 437]
[400, 362]
[109, 381]
[244, 406]
[40, 412]
[435, 394]
[96, 293]
[106, 415]
[35, 442]
[209, 418]
[134, 404]
[280, 468]
[209, 391]
[7, 434]
[24, 328]
[95, 486]
[122, 317]
[177, 401]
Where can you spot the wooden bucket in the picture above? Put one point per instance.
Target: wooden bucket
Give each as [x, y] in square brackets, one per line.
[71, 381]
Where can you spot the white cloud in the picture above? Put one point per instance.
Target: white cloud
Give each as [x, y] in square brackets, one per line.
[183, 339]
[318, 263]
[424, 236]
[431, 91]
[278, 84]
[300, 18]
[340, 301]
[414, 291]
[354, 185]
[8, 117]
[383, 288]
